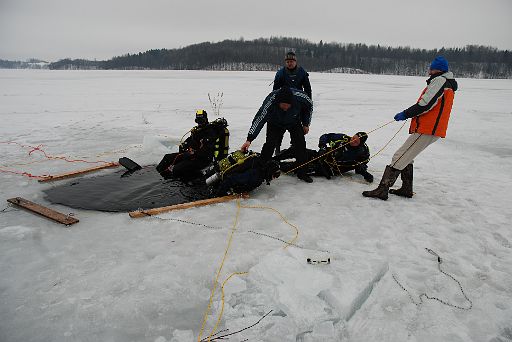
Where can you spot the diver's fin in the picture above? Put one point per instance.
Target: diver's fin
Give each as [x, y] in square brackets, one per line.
[129, 164]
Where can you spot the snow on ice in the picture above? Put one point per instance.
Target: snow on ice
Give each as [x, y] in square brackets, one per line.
[113, 278]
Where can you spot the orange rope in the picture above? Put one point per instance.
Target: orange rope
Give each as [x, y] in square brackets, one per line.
[23, 173]
[38, 148]
[50, 157]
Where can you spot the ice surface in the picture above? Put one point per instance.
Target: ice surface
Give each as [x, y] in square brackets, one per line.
[112, 278]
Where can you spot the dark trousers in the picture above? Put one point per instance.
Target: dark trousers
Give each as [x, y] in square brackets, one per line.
[275, 136]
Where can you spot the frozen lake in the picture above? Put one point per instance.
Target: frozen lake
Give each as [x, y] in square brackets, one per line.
[113, 278]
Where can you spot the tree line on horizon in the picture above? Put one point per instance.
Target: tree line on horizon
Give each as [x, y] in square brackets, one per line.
[29, 64]
[268, 54]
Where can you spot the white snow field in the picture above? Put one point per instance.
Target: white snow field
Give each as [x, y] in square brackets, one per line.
[114, 278]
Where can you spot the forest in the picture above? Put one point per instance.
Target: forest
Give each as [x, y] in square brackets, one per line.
[267, 54]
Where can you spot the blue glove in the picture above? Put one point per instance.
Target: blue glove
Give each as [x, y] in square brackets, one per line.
[400, 116]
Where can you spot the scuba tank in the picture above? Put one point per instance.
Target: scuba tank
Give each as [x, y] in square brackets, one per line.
[213, 179]
[232, 162]
[222, 140]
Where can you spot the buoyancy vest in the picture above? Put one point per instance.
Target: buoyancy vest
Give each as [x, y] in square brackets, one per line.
[234, 162]
[435, 120]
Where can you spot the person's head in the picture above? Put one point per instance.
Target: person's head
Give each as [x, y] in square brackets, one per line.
[284, 98]
[201, 117]
[438, 65]
[271, 170]
[290, 60]
[358, 139]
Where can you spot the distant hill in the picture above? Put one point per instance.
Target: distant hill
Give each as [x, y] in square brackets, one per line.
[29, 64]
[267, 54]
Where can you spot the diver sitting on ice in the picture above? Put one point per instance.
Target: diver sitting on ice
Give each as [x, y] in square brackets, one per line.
[240, 172]
[208, 141]
[338, 153]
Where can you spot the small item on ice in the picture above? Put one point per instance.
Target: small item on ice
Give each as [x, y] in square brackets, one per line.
[314, 262]
[129, 164]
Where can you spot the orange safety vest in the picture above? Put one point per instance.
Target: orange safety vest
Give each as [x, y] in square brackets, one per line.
[434, 121]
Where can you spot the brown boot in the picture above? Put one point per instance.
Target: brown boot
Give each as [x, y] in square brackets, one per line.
[388, 179]
[406, 189]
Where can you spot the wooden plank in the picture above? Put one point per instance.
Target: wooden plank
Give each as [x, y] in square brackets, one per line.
[149, 212]
[43, 211]
[78, 172]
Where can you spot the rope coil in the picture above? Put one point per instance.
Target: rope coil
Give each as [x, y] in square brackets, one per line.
[233, 230]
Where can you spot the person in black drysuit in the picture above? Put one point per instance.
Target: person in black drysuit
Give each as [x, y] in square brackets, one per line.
[292, 76]
[350, 153]
[246, 176]
[283, 110]
[195, 153]
[338, 153]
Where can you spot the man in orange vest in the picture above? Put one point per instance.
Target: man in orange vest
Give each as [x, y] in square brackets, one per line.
[429, 122]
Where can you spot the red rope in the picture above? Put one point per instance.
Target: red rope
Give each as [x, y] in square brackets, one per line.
[47, 156]
[50, 157]
[22, 173]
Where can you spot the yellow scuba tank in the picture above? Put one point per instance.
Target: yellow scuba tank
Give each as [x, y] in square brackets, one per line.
[228, 165]
[233, 160]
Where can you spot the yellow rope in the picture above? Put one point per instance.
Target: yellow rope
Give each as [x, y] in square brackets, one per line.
[390, 140]
[236, 164]
[233, 230]
[378, 152]
[282, 217]
[239, 206]
[212, 294]
[337, 148]
[219, 317]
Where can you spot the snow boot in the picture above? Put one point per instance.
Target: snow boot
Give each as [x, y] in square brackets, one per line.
[388, 179]
[406, 189]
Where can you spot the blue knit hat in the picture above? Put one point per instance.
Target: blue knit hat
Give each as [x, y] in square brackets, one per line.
[439, 63]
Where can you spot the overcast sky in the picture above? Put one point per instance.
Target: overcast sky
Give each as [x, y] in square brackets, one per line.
[100, 29]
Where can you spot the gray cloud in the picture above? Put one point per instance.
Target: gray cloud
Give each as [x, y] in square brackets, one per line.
[55, 29]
